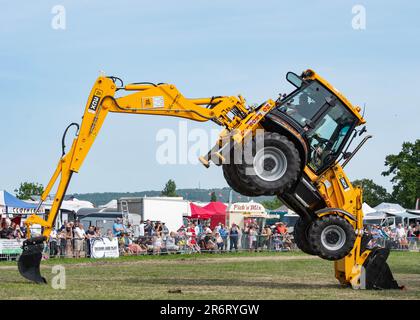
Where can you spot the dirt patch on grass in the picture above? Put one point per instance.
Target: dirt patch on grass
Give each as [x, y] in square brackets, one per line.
[8, 267]
[189, 261]
[192, 261]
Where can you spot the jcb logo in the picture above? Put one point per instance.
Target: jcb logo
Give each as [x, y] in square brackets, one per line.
[95, 101]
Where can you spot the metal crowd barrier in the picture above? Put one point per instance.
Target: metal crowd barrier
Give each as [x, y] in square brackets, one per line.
[62, 248]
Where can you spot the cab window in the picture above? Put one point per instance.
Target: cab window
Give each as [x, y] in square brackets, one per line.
[305, 103]
[328, 135]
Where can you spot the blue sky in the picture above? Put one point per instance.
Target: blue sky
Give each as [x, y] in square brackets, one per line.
[205, 48]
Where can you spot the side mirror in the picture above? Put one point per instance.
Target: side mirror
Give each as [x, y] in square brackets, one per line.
[294, 79]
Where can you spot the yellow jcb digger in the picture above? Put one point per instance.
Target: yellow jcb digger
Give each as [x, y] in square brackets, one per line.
[294, 147]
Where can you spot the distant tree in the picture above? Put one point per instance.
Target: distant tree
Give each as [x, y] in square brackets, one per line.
[28, 189]
[213, 197]
[373, 194]
[404, 168]
[170, 189]
[271, 204]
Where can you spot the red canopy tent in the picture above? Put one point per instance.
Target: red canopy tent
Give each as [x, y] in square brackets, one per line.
[216, 207]
[215, 211]
[198, 212]
[218, 210]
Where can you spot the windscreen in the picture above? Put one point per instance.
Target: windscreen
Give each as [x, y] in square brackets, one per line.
[303, 104]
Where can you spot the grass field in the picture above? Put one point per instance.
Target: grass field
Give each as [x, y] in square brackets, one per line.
[227, 276]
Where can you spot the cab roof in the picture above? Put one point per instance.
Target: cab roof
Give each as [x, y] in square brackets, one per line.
[312, 75]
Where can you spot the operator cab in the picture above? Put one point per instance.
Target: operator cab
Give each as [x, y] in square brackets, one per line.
[325, 122]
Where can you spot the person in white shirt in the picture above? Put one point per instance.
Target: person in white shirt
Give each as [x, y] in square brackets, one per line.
[79, 238]
[141, 229]
[400, 232]
[207, 230]
[196, 230]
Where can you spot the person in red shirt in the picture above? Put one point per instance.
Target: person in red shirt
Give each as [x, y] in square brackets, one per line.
[281, 228]
[192, 242]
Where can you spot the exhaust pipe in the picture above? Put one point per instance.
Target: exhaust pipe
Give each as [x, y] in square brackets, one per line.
[30, 259]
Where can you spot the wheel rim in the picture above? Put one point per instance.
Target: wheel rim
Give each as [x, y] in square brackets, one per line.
[270, 164]
[333, 238]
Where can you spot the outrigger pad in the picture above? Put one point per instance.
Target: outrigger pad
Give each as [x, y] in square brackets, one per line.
[378, 273]
[30, 259]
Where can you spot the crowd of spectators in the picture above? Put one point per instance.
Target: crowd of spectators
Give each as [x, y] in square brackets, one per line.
[72, 240]
[400, 237]
[154, 237]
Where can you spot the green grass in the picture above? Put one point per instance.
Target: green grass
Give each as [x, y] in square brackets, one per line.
[206, 276]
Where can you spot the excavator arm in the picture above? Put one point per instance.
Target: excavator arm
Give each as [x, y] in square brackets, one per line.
[142, 98]
[151, 99]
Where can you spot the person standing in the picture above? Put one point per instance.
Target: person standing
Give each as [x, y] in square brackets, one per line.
[252, 236]
[69, 241]
[141, 229]
[53, 243]
[400, 235]
[197, 229]
[224, 234]
[266, 235]
[148, 229]
[165, 231]
[79, 239]
[62, 242]
[90, 234]
[233, 237]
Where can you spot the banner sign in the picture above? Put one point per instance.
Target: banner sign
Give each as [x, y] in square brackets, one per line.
[247, 207]
[104, 248]
[10, 246]
[13, 210]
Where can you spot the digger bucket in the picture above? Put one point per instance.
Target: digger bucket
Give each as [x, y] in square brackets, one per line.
[378, 275]
[30, 259]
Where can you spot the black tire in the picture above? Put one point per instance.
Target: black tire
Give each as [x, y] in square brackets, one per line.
[274, 168]
[240, 184]
[230, 174]
[300, 235]
[332, 237]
